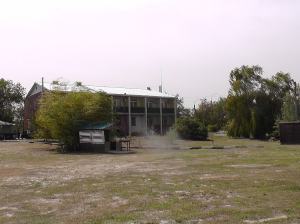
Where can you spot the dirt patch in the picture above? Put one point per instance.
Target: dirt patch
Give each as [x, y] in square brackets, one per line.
[151, 186]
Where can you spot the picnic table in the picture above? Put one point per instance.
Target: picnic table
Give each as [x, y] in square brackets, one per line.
[127, 142]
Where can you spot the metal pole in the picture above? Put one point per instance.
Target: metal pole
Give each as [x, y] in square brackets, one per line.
[295, 99]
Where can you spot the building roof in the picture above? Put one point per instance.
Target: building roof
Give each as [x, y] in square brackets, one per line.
[115, 91]
[5, 123]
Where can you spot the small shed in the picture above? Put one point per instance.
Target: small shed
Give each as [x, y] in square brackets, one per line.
[289, 132]
[7, 130]
[96, 138]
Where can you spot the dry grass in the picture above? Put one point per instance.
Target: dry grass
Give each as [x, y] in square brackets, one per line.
[240, 185]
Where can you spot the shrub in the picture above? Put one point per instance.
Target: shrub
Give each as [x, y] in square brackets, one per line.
[212, 128]
[190, 128]
[172, 135]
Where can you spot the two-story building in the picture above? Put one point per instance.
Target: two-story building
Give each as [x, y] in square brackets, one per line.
[138, 109]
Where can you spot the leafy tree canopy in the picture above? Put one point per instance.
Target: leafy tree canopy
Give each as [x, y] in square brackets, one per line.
[61, 114]
[288, 108]
[254, 103]
[212, 114]
[190, 128]
[11, 99]
[181, 110]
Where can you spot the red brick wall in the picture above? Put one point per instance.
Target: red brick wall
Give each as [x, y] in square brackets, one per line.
[29, 109]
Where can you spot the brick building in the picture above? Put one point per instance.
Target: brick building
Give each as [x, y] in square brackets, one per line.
[137, 108]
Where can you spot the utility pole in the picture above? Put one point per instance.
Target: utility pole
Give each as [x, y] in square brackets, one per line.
[295, 99]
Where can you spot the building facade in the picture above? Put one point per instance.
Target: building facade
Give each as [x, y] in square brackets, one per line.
[139, 110]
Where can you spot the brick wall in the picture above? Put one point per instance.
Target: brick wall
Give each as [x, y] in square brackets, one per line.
[30, 107]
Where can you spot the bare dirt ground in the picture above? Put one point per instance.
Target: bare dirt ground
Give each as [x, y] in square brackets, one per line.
[40, 185]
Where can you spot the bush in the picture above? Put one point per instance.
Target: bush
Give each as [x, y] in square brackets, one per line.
[275, 132]
[212, 128]
[172, 135]
[190, 128]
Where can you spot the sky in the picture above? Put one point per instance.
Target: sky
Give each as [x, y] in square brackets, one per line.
[189, 45]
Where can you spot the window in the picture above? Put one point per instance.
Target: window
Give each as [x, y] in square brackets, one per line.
[164, 121]
[164, 104]
[133, 121]
[149, 104]
[133, 103]
[34, 105]
[149, 121]
[117, 102]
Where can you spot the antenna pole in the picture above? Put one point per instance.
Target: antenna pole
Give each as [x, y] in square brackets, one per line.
[161, 75]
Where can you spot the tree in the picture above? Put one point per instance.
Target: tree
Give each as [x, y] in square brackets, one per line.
[219, 112]
[19, 119]
[204, 112]
[212, 114]
[172, 135]
[190, 128]
[254, 103]
[181, 110]
[61, 114]
[288, 108]
[11, 99]
[284, 83]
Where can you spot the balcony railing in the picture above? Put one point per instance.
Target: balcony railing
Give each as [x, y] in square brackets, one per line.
[153, 110]
[141, 110]
[137, 110]
[122, 109]
[168, 110]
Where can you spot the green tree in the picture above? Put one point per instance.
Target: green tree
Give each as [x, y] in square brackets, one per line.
[61, 114]
[254, 103]
[245, 82]
[190, 128]
[212, 114]
[204, 112]
[19, 119]
[181, 110]
[11, 99]
[172, 135]
[288, 108]
[219, 111]
[284, 83]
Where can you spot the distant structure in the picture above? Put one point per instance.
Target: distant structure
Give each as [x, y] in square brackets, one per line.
[7, 130]
[138, 109]
[289, 132]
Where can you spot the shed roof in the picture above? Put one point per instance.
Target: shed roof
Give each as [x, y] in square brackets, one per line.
[289, 122]
[5, 123]
[96, 126]
[115, 91]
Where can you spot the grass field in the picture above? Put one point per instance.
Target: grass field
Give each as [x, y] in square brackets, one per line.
[238, 185]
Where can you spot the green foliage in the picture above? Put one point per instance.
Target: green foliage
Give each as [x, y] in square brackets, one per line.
[190, 128]
[212, 113]
[61, 114]
[19, 118]
[275, 132]
[172, 135]
[220, 118]
[11, 100]
[253, 103]
[212, 128]
[288, 108]
[181, 111]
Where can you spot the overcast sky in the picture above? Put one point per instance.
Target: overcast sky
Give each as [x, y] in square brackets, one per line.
[125, 43]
